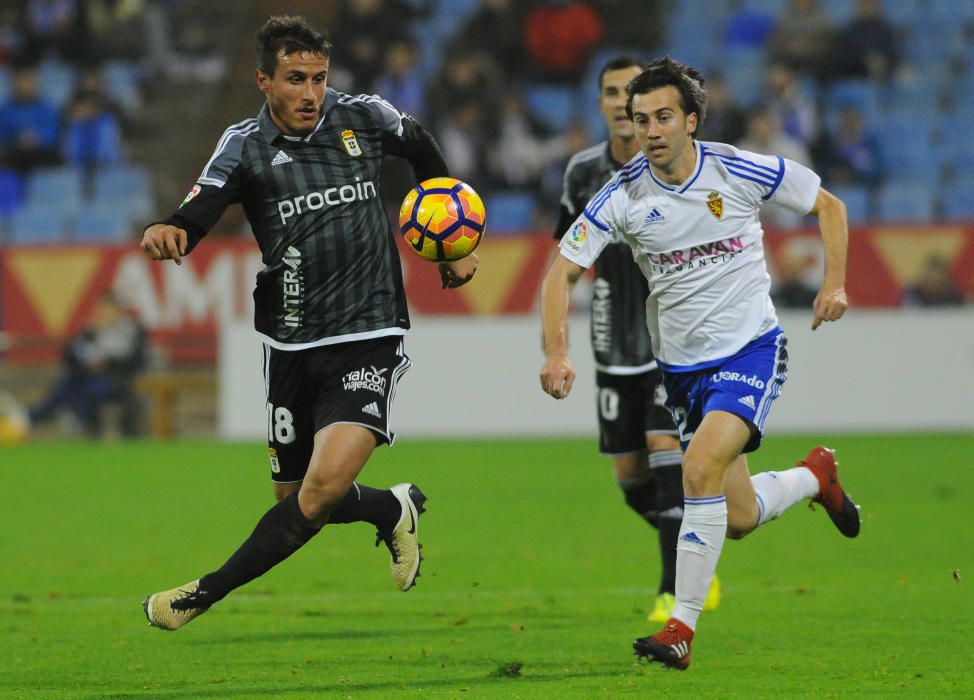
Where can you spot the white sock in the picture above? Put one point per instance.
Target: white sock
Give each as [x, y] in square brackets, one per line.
[779, 491]
[697, 551]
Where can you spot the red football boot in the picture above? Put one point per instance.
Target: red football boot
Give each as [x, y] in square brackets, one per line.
[670, 646]
[843, 512]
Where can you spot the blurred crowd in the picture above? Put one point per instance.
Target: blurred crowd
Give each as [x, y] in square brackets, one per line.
[871, 93]
[509, 87]
[72, 79]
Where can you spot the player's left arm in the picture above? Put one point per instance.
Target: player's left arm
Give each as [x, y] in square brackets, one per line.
[418, 146]
[830, 302]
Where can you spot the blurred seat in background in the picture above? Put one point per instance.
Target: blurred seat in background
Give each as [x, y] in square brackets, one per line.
[510, 210]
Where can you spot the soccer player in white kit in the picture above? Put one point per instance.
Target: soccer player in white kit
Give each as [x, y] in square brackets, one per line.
[689, 211]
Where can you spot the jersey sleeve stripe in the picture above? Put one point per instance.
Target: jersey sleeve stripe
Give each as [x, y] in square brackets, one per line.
[378, 102]
[781, 175]
[746, 176]
[757, 175]
[743, 161]
[595, 222]
[627, 174]
[236, 131]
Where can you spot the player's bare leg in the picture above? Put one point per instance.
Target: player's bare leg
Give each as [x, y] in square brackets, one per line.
[340, 451]
[399, 533]
[716, 445]
[742, 504]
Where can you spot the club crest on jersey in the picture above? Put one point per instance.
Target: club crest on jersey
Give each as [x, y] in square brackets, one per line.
[192, 193]
[715, 203]
[351, 143]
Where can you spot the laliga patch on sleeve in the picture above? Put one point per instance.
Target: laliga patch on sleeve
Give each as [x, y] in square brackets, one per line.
[192, 193]
[576, 237]
[275, 463]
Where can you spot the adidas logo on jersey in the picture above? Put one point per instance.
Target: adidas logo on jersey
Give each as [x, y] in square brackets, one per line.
[747, 401]
[654, 217]
[372, 409]
[281, 158]
[693, 538]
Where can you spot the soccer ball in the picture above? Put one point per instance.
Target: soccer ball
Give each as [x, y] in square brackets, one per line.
[442, 219]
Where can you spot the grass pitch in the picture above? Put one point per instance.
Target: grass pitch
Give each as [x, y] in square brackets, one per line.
[536, 580]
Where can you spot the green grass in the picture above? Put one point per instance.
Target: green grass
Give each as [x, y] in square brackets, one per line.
[535, 582]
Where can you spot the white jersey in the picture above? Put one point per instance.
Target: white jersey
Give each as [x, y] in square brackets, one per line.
[700, 245]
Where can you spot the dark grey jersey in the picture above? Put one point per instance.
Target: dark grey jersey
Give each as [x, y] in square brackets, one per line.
[620, 340]
[332, 272]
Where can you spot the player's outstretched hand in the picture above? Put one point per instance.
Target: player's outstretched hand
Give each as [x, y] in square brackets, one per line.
[457, 273]
[829, 305]
[165, 242]
[557, 376]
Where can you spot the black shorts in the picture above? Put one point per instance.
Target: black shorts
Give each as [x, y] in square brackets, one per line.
[308, 390]
[631, 406]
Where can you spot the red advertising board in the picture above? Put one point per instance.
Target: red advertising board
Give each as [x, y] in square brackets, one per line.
[47, 293]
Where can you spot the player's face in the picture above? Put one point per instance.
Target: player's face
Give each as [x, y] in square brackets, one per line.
[612, 101]
[296, 91]
[663, 130]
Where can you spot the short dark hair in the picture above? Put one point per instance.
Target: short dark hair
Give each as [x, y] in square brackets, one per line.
[620, 62]
[290, 34]
[666, 71]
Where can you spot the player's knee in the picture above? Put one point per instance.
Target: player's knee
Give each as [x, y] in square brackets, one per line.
[321, 495]
[697, 478]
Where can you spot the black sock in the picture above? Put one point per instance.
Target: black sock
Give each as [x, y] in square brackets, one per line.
[669, 533]
[369, 505]
[669, 505]
[640, 494]
[280, 533]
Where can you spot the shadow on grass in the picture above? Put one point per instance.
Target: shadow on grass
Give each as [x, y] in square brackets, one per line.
[484, 680]
[344, 634]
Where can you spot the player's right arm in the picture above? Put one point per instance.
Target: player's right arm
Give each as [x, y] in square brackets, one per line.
[557, 374]
[580, 245]
[217, 188]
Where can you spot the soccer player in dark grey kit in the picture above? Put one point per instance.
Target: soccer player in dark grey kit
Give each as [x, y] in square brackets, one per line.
[633, 420]
[329, 304]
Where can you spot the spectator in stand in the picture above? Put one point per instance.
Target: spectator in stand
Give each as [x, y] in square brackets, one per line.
[725, 119]
[462, 139]
[934, 287]
[644, 30]
[804, 39]
[92, 131]
[116, 29]
[851, 155]
[524, 145]
[11, 38]
[11, 191]
[99, 367]
[28, 125]
[466, 78]
[559, 38]
[55, 25]
[765, 135]
[868, 45]
[793, 108]
[402, 81]
[363, 30]
[495, 29]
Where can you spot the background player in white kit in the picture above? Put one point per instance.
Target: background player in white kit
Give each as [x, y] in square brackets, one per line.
[689, 210]
[635, 428]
